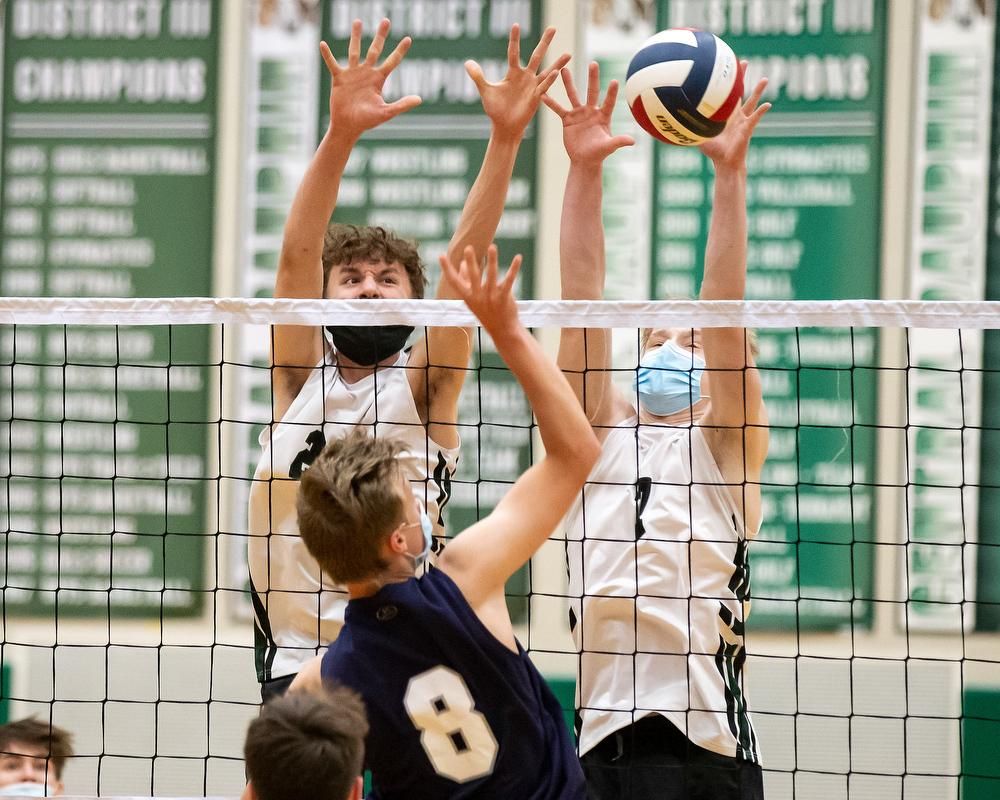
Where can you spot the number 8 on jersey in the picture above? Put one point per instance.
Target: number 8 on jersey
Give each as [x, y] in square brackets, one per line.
[457, 738]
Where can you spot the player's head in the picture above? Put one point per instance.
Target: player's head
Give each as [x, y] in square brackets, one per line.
[307, 746]
[349, 248]
[32, 757]
[350, 500]
[671, 377]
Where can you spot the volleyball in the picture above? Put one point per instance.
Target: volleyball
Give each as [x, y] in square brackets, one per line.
[683, 84]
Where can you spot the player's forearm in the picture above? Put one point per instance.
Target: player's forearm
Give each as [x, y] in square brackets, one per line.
[726, 250]
[299, 269]
[484, 206]
[581, 234]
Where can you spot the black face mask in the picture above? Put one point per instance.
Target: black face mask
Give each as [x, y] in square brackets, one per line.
[367, 345]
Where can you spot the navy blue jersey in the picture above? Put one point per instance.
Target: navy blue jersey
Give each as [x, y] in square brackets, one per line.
[453, 713]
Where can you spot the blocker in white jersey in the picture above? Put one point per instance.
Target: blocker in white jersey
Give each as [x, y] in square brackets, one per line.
[298, 611]
[657, 542]
[364, 377]
[657, 569]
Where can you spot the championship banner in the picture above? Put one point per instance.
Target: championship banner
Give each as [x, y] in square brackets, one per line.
[107, 152]
[814, 197]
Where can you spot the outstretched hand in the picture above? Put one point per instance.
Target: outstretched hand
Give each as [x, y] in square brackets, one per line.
[356, 102]
[490, 299]
[729, 148]
[511, 103]
[587, 127]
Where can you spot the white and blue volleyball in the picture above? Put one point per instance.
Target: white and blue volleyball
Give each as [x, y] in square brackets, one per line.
[683, 84]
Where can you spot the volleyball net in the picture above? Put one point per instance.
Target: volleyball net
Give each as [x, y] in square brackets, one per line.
[129, 433]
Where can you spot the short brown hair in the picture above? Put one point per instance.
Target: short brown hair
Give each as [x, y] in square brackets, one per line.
[57, 742]
[348, 502]
[307, 746]
[346, 244]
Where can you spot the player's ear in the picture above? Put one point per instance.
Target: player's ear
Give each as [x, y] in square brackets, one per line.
[397, 542]
[357, 789]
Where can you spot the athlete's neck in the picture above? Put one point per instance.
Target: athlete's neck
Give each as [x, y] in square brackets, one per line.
[399, 571]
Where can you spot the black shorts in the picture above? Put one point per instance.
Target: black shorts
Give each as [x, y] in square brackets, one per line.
[652, 760]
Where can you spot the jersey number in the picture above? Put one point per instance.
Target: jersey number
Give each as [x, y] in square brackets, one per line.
[456, 737]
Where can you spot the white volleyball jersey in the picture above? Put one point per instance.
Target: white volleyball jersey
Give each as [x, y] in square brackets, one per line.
[659, 582]
[298, 610]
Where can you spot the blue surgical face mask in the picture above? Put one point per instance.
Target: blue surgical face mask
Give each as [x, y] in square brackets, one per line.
[25, 789]
[669, 379]
[427, 528]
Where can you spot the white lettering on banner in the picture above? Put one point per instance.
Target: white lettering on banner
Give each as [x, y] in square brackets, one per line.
[97, 559]
[682, 193]
[517, 224]
[90, 283]
[83, 436]
[774, 255]
[750, 17]
[805, 159]
[675, 255]
[419, 192]
[772, 223]
[153, 160]
[130, 499]
[25, 190]
[831, 351]
[504, 13]
[86, 406]
[110, 80]
[423, 19]
[126, 378]
[21, 282]
[101, 252]
[828, 507]
[96, 191]
[124, 345]
[420, 224]
[683, 224]
[800, 192]
[22, 221]
[422, 161]
[190, 19]
[22, 252]
[771, 287]
[87, 19]
[813, 77]
[437, 80]
[26, 158]
[91, 222]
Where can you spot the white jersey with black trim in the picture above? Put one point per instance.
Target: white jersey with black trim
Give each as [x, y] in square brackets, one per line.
[297, 610]
[659, 586]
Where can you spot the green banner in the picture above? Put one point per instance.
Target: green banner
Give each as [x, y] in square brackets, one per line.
[413, 175]
[107, 153]
[814, 202]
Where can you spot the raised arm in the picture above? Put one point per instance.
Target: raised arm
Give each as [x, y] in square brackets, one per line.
[737, 411]
[356, 105]
[585, 354]
[510, 104]
[482, 557]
